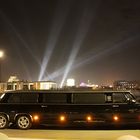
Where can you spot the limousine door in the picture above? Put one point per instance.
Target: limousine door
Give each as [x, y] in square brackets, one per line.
[124, 109]
[91, 107]
[53, 107]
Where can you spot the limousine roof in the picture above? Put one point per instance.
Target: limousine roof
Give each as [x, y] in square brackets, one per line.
[67, 91]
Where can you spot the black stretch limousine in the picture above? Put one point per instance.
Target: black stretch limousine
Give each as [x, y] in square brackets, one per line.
[27, 108]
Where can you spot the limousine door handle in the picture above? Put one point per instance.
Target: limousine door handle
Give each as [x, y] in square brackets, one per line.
[44, 106]
[115, 106]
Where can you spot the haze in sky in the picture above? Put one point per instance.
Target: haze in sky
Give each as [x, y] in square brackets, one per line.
[96, 40]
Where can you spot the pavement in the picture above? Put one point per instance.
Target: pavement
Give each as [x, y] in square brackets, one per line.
[125, 137]
[25, 139]
[14, 134]
[5, 137]
[128, 137]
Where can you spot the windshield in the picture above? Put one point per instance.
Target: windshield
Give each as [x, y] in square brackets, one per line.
[130, 97]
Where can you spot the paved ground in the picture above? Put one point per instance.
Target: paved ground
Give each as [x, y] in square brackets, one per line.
[15, 134]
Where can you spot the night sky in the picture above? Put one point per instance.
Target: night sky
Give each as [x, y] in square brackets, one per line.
[95, 40]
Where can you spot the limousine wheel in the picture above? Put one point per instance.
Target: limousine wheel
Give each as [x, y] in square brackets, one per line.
[3, 121]
[24, 122]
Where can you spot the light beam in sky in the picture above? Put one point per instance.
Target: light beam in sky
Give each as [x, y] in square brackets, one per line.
[96, 55]
[14, 31]
[122, 44]
[85, 22]
[58, 23]
[6, 20]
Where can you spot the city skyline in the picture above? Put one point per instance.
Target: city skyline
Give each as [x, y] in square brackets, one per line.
[57, 40]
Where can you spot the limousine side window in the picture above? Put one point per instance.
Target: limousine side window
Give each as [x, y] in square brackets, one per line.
[54, 98]
[14, 98]
[108, 98]
[89, 98]
[22, 98]
[29, 98]
[119, 98]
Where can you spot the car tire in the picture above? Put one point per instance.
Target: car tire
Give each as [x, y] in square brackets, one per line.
[23, 122]
[3, 121]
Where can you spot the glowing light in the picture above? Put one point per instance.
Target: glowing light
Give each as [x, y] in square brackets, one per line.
[87, 59]
[89, 118]
[83, 84]
[18, 35]
[1, 54]
[92, 57]
[36, 117]
[116, 118]
[11, 27]
[70, 82]
[105, 51]
[58, 23]
[62, 118]
[110, 86]
[83, 29]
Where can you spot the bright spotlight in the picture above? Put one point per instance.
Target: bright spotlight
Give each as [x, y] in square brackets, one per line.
[83, 29]
[57, 26]
[70, 82]
[1, 54]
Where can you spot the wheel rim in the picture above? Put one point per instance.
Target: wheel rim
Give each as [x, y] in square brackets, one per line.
[23, 122]
[3, 121]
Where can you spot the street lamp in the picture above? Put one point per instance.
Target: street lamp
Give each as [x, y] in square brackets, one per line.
[1, 56]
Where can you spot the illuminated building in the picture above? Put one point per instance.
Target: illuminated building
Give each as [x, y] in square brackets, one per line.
[70, 82]
[15, 84]
[122, 84]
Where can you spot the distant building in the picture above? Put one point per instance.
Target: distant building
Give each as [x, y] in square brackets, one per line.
[13, 79]
[122, 84]
[45, 85]
[70, 82]
[15, 84]
[88, 85]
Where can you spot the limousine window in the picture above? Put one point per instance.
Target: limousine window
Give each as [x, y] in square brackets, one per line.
[89, 98]
[119, 98]
[108, 98]
[22, 98]
[29, 98]
[54, 98]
